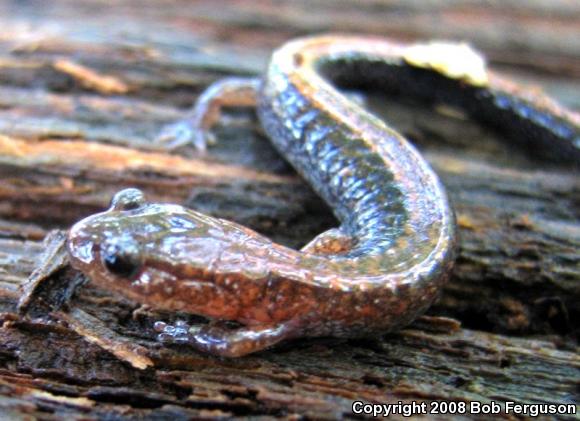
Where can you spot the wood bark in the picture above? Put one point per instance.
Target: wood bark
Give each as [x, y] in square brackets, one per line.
[84, 89]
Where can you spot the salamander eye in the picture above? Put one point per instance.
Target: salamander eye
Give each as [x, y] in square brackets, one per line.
[128, 199]
[122, 259]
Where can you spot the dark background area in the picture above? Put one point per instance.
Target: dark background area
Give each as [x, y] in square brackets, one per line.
[86, 86]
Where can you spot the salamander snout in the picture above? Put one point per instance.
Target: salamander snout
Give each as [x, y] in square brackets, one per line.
[104, 243]
[117, 256]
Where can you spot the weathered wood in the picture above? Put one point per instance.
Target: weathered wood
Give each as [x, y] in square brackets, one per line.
[85, 88]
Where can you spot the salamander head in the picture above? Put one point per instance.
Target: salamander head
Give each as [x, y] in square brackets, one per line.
[165, 255]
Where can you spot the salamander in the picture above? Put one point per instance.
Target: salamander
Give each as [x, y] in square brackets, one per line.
[396, 243]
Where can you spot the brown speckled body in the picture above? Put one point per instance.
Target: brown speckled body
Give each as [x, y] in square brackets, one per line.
[394, 249]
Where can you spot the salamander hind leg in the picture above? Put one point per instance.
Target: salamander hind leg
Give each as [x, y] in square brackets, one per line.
[195, 128]
[218, 339]
[333, 241]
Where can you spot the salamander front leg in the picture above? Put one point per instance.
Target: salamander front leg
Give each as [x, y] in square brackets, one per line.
[217, 339]
[195, 127]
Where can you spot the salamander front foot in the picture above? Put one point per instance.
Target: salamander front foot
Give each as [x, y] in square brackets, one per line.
[218, 339]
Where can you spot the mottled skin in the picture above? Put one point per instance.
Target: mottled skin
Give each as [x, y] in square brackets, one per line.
[395, 247]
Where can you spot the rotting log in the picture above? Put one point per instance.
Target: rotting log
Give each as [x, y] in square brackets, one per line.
[80, 103]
